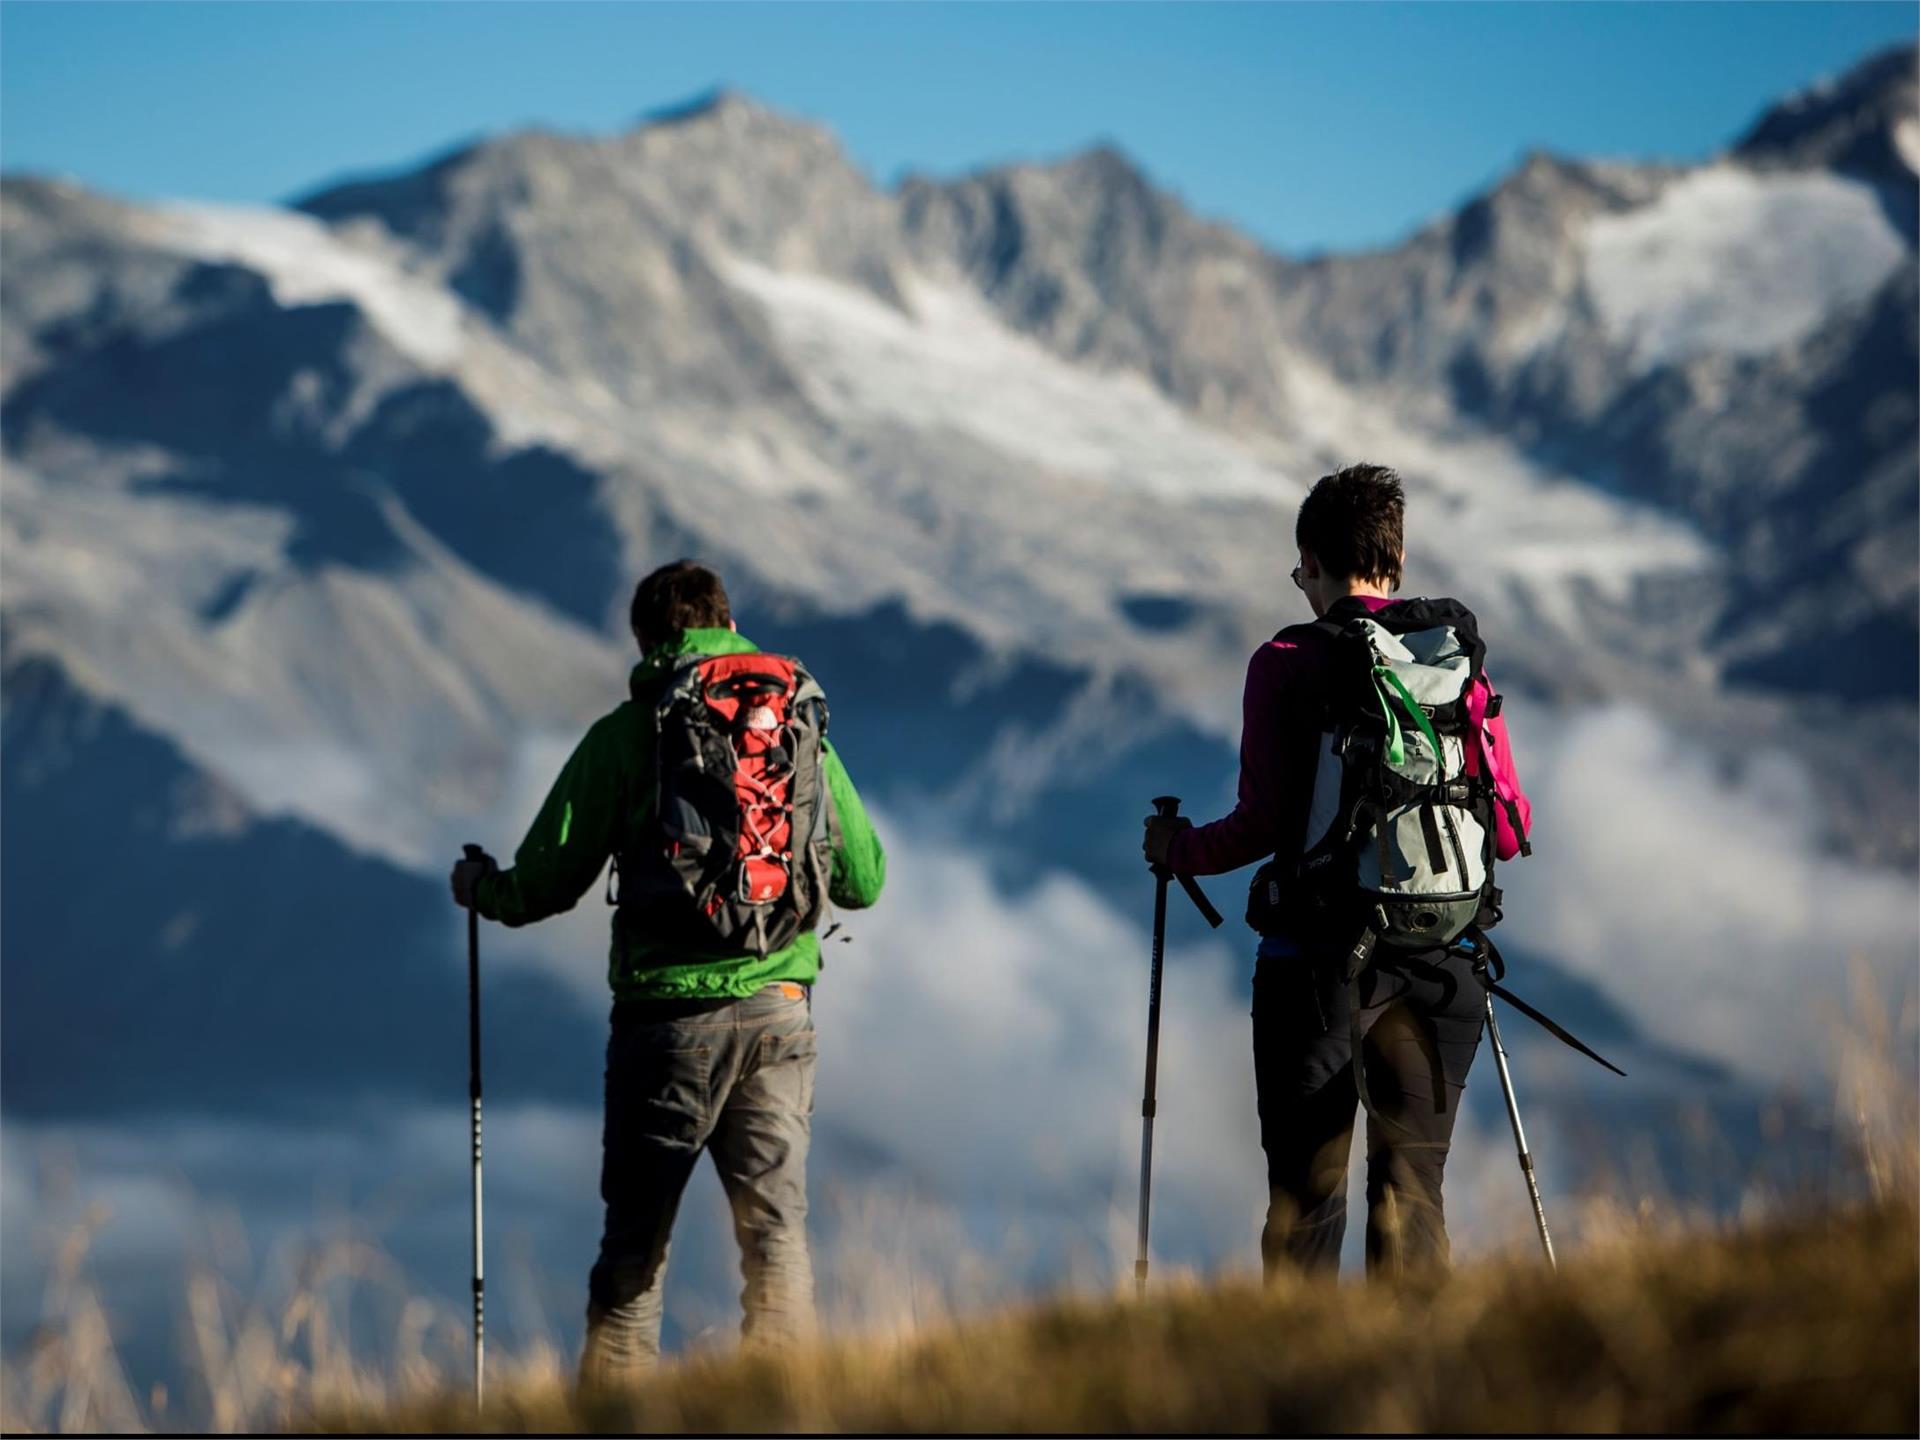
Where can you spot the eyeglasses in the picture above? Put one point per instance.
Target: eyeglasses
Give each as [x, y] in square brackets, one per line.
[1299, 578]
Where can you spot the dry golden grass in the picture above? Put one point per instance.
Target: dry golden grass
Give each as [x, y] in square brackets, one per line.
[1807, 1327]
[1806, 1323]
[1801, 1317]
[252, 1365]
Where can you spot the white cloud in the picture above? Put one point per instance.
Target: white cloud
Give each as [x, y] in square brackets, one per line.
[995, 1043]
[1705, 902]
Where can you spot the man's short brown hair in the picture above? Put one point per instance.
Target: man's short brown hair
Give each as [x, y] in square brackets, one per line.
[676, 598]
[1354, 523]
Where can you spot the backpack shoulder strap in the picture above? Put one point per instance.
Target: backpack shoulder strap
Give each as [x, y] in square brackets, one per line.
[1342, 613]
[663, 681]
[1315, 633]
[1308, 629]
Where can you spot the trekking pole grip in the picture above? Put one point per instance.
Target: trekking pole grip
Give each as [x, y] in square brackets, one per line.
[1168, 807]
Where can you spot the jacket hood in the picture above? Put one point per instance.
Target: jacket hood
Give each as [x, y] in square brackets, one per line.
[659, 660]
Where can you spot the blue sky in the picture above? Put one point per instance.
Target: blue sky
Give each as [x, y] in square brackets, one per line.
[1314, 125]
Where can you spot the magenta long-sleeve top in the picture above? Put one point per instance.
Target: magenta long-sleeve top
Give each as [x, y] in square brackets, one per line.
[1279, 740]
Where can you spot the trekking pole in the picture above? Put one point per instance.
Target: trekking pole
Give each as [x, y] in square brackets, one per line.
[474, 852]
[1167, 806]
[1519, 1134]
[1489, 969]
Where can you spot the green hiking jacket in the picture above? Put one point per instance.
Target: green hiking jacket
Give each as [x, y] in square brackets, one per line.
[602, 798]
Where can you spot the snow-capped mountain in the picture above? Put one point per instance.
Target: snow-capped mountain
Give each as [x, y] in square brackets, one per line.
[1733, 342]
[436, 422]
[318, 525]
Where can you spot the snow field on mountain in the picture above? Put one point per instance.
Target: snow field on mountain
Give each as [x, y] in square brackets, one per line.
[1483, 516]
[307, 263]
[366, 704]
[1906, 138]
[1738, 262]
[952, 363]
[1480, 508]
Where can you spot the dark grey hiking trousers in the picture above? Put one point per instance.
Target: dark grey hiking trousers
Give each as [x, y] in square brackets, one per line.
[733, 1078]
[1420, 1018]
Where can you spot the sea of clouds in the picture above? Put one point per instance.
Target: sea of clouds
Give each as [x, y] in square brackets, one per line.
[977, 1121]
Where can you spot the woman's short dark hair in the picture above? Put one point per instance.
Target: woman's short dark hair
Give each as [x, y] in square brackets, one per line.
[1354, 523]
[683, 596]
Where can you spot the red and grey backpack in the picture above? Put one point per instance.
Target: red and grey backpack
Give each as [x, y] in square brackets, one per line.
[737, 853]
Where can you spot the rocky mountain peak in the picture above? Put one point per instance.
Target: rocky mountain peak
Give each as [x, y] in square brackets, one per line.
[1088, 256]
[600, 254]
[725, 125]
[1865, 123]
[1100, 194]
[1104, 164]
[719, 133]
[721, 104]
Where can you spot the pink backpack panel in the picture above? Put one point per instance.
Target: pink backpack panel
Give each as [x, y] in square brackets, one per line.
[1489, 753]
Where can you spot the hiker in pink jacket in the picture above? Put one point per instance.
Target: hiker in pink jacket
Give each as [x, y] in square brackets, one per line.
[1419, 1011]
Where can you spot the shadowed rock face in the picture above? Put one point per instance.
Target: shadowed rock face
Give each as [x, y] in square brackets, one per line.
[1852, 124]
[220, 963]
[1804, 466]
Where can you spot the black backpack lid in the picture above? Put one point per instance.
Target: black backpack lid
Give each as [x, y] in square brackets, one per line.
[1398, 617]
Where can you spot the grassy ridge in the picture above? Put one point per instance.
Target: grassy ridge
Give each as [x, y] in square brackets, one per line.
[1806, 1327]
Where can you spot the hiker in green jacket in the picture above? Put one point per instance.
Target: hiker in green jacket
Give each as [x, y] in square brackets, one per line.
[731, 823]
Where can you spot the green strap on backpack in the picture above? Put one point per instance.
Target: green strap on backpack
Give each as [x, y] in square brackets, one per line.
[1396, 744]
